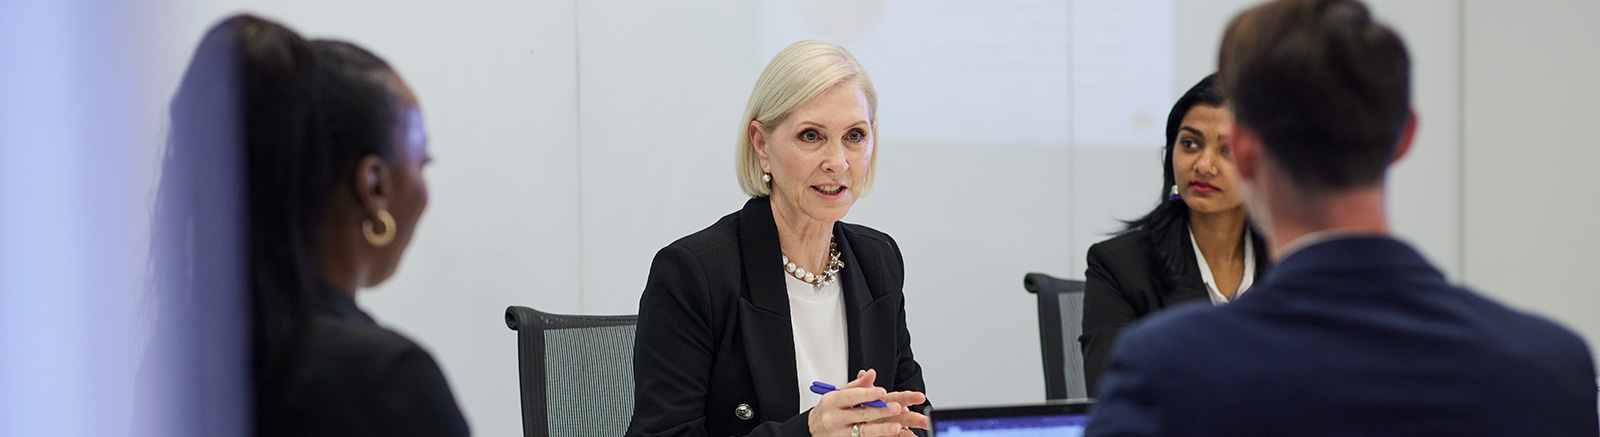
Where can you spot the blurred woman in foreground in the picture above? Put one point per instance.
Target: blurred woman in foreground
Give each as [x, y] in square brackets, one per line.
[331, 144]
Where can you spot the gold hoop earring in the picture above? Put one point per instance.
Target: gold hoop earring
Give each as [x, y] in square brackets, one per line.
[374, 238]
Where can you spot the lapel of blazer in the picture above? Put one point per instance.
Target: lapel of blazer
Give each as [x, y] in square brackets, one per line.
[865, 349]
[766, 331]
[1263, 258]
[1189, 286]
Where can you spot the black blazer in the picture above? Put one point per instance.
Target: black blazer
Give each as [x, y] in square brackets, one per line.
[352, 377]
[1125, 282]
[714, 330]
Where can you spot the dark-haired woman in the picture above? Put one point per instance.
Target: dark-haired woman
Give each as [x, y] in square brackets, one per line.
[1197, 245]
[332, 146]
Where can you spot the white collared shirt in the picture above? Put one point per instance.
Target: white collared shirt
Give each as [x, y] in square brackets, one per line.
[821, 350]
[1217, 298]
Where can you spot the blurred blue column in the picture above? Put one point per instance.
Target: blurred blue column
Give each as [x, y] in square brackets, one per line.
[87, 346]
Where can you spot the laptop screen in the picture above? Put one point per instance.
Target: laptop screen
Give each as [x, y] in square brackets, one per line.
[1053, 420]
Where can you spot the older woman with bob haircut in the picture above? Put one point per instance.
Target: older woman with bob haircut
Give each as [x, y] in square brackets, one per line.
[737, 321]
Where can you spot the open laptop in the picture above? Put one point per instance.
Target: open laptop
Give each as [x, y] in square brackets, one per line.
[1063, 418]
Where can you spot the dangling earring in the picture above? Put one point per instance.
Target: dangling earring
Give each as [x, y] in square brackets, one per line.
[1174, 197]
[766, 177]
[374, 238]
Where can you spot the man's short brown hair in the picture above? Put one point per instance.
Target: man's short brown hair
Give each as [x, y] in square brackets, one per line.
[1325, 87]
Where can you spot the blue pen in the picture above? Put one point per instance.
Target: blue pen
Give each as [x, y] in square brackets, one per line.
[820, 388]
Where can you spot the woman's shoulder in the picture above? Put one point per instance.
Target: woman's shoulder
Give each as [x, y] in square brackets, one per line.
[724, 232]
[877, 254]
[345, 346]
[338, 353]
[1131, 244]
[342, 368]
[859, 233]
[707, 254]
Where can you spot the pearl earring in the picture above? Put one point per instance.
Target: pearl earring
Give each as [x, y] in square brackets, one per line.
[767, 177]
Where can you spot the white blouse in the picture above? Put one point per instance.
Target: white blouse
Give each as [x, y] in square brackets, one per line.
[821, 349]
[1211, 281]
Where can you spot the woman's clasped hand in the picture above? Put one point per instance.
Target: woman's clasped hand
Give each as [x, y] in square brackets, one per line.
[840, 413]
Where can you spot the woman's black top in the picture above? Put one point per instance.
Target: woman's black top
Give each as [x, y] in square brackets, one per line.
[351, 377]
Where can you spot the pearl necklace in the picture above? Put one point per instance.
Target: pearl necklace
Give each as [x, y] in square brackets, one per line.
[817, 280]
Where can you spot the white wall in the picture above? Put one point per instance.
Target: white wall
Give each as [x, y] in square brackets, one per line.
[575, 138]
[662, 86]
[1530, 114]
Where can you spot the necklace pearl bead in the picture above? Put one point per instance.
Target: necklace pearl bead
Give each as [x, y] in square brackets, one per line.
[816, 279]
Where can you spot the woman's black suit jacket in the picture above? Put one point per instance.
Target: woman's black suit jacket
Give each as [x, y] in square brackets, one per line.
[714, 330]
[1126, 283]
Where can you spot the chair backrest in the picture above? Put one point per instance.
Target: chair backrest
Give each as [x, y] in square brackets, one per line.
[1060, 325]
[576, 372]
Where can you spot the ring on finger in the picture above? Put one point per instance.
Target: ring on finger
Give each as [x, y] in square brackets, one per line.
[855, 430]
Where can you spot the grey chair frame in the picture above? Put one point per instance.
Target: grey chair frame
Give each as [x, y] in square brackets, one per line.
[1055, 350]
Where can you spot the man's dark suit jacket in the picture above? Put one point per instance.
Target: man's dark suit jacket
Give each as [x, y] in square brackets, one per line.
[352, 377]
[1124, 283]
[1354, 336]
[714, 330]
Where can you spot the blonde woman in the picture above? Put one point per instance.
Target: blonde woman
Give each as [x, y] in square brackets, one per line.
[738, 320]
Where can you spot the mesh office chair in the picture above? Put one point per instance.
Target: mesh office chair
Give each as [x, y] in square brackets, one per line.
[1060, 325]
[576, 372]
